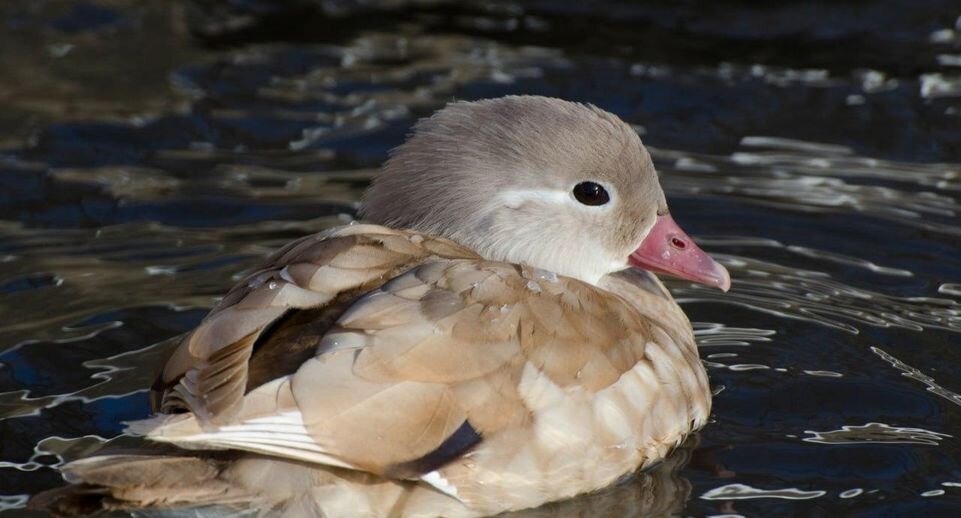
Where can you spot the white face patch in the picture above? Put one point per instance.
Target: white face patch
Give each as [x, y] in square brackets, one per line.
[562, 238]
[514, 198]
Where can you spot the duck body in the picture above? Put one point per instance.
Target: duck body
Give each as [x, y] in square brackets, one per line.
[376, 371]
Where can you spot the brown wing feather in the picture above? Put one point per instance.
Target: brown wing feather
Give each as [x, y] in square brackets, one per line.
[446, 343]
[429, 364]
[230, 353]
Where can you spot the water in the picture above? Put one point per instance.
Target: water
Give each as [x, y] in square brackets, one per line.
[151, 152]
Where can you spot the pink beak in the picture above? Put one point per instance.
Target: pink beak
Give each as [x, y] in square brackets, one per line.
[667, 249]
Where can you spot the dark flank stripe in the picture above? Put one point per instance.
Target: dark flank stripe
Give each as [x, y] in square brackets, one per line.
[462, 440]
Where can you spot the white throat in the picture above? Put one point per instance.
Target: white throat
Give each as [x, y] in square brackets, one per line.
[549, 244]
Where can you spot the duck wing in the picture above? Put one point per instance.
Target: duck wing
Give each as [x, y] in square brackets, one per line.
[422, 369]
[275, 316]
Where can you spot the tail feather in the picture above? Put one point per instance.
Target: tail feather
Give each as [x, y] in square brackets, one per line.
[180, 482]
[138, 479]
[72, 500]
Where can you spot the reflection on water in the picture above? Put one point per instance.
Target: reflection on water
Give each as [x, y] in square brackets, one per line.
[915, 374]
[877, 433]
[152, 152]
[744, 492]
[814, 296]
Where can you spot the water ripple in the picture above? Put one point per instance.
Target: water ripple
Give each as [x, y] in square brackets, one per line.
[812, 177]
[9, 502]
[716, 334]
[950, 289]
[115, 376]
[815, 297]
[915, 374]
[877, 433]
[746, 492]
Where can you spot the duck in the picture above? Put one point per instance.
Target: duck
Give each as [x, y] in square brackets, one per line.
[490, 338]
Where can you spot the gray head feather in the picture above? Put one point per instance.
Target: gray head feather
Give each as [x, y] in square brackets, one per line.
[491, 175]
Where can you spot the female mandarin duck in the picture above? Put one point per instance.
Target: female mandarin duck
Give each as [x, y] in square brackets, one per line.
[483, 349]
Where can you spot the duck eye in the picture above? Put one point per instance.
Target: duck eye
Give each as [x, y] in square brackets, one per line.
[590, 193]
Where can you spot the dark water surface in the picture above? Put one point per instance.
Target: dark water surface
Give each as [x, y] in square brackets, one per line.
[151, 152]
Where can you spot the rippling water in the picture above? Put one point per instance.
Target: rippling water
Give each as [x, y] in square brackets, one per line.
[151, 152]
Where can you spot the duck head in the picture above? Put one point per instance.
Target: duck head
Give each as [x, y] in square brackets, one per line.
[558, 185]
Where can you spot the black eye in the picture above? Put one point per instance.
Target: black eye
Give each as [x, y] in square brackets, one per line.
[590, 193]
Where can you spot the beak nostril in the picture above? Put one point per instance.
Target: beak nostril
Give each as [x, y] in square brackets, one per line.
[667, 249]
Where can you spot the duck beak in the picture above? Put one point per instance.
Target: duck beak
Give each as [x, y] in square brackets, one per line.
[667, 249]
